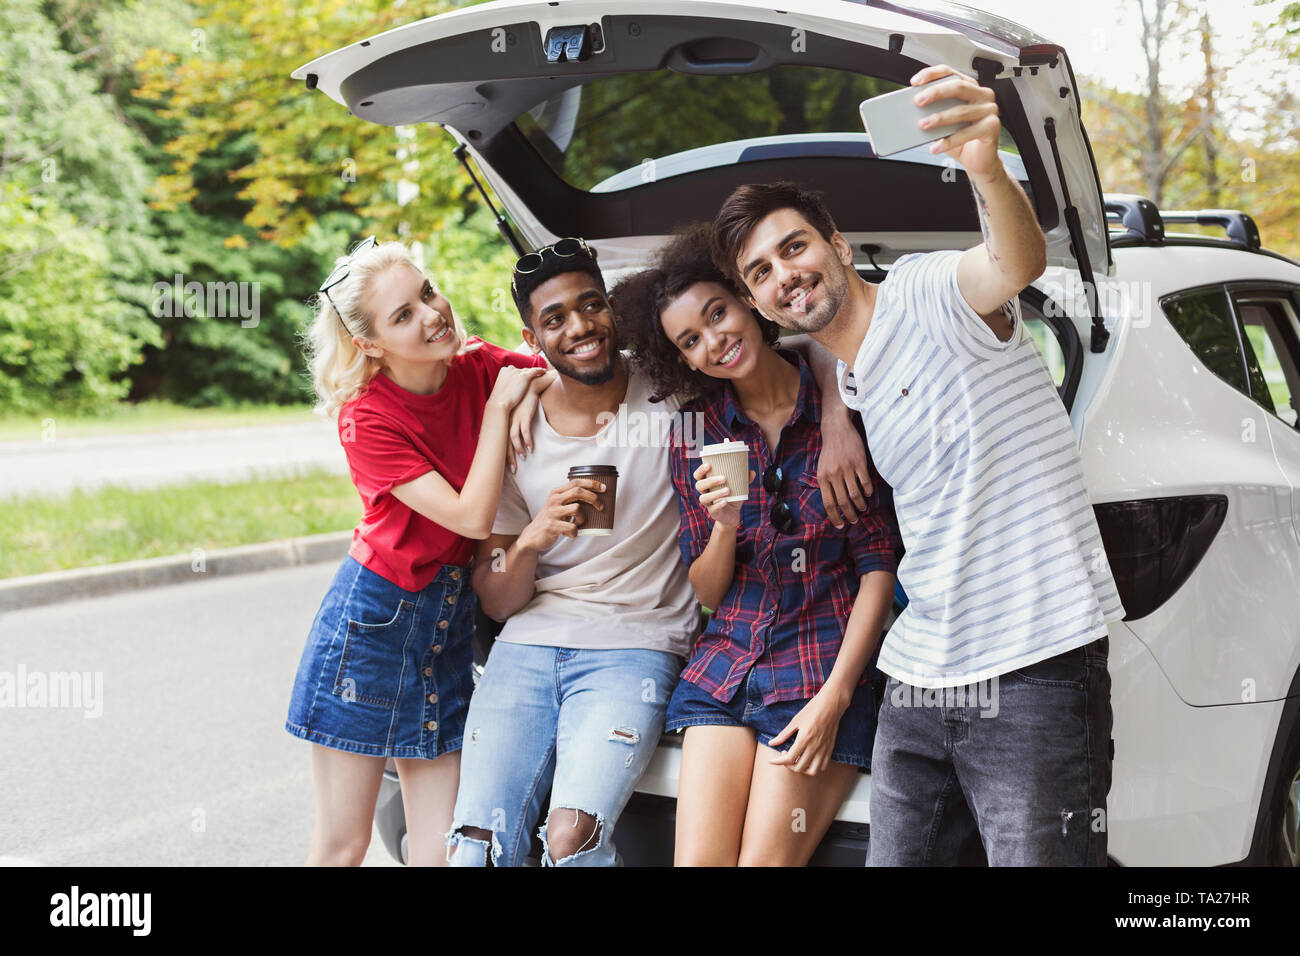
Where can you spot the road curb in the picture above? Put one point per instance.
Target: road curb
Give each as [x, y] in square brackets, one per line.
[38, 589]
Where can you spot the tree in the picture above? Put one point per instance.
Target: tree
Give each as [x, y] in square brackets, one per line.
[62, 345]
[1250, 158]
[309, 155]
[72, 190]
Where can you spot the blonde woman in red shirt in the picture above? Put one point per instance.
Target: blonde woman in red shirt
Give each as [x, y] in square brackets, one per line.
[424, 417]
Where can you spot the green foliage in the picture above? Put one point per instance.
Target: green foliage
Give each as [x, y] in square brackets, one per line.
[150, 416]
[471, 264]
[77, 238]
[1289, 16]
[250, 355]
[63, 141]
[144, 139]
[63, 338]
[307, 154]
[39, 534]
[265, 181]
[623, 120]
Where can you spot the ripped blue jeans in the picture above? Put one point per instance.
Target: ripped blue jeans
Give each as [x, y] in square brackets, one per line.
[583, 723]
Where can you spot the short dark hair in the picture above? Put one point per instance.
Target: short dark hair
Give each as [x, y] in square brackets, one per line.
[748, 205]
[552, 265]
[681, 263]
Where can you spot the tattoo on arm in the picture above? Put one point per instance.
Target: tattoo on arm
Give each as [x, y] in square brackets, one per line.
[983, 209]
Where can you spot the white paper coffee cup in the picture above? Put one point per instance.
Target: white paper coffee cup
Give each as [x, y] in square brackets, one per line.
[731, 460]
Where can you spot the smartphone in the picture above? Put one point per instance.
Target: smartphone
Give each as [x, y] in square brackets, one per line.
[892, 119]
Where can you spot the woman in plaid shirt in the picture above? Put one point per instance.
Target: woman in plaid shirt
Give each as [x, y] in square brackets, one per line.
[775, 702]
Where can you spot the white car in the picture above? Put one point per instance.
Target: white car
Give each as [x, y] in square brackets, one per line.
[1177, 356]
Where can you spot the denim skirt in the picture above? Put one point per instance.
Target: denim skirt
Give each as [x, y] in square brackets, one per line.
[386, 671]
[692, 706]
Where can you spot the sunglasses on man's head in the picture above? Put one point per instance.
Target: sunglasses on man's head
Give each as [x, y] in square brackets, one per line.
[563, 249]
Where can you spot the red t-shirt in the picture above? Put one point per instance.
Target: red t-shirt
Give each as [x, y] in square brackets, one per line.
[392, 436]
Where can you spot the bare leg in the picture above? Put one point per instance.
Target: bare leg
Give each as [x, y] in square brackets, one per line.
[788, 812]
[712, 791]
[429, 797]
[347, 787]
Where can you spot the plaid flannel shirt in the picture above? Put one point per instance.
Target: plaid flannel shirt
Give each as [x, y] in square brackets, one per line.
[791, 596]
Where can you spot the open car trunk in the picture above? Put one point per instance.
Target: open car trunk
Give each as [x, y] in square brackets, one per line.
[618, 123]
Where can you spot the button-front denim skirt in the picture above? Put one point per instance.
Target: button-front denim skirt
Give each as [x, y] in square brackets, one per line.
[386, 671]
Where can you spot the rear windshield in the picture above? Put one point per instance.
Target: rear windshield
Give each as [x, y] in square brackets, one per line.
[621, 131]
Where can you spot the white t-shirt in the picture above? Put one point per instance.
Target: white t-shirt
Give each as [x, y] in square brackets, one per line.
[626, 589]
[1005, 565]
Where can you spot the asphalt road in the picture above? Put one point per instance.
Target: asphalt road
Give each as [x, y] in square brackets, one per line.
[189, 762]
[150, 460]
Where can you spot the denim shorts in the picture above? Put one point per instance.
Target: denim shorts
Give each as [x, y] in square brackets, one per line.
[386, 671]
[691, 706]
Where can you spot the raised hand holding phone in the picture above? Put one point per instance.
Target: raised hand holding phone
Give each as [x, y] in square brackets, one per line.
[941, 104]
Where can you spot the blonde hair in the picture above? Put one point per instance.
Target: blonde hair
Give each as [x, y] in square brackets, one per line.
[339, 370]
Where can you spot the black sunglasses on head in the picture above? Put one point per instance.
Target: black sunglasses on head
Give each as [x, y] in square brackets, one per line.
[341, 273]
[564, 249]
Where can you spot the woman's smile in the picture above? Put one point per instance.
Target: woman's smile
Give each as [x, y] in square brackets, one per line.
[732, 355]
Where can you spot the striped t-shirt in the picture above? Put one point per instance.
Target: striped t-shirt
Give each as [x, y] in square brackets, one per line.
[1004, 565]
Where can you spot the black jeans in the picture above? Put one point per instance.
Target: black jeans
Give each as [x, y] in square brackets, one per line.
[1014, 770]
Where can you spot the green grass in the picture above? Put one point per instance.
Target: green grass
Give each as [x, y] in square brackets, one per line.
[147, 417]
[108, 525]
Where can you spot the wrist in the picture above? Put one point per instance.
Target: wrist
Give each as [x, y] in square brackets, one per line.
[997, 177]
[838, 694]
[525, 543]
[836, 412]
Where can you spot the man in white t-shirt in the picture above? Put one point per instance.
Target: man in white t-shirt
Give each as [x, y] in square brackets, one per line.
[994, 732]
[597, 628]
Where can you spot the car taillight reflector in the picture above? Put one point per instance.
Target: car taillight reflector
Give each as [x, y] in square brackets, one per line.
[1155, 544]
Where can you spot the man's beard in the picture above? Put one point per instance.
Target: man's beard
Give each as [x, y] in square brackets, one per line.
[834, 290]
[583, 376]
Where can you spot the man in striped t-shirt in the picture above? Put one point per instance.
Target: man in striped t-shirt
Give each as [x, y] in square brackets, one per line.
[996, 719]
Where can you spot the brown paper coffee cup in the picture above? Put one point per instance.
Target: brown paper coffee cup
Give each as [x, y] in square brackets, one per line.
[731, 460]
[597, 522]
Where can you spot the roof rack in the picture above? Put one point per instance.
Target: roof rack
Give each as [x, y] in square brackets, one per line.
[1142, 222]
[1240, 227]
[1139, 216]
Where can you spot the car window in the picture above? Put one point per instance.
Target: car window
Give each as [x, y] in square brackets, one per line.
[619, 132]
[1204, 321]
[1271, 336]
[1045, 338]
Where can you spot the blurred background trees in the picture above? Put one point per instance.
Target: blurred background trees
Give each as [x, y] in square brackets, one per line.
[1214, 143]
[144, 139]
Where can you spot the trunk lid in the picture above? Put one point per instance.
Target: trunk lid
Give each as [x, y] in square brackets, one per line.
[619, 123]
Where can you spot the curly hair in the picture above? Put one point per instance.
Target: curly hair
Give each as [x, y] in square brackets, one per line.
[641, 299]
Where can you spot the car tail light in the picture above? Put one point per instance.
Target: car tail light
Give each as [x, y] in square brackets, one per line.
[1155, 544]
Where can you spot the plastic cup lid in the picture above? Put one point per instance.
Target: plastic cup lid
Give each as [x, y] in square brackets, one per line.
[724, 447]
